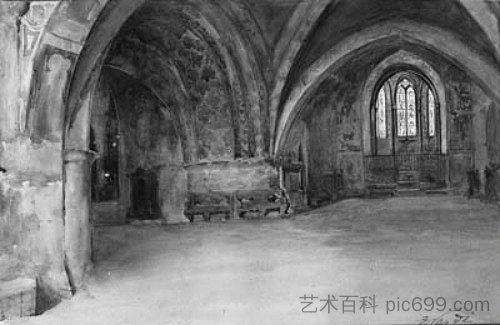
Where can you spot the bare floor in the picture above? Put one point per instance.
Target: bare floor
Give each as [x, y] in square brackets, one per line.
[253, 272]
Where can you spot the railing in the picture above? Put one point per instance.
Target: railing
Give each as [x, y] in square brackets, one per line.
[385, 169]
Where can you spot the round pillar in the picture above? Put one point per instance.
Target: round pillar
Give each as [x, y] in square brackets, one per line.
[77, 204]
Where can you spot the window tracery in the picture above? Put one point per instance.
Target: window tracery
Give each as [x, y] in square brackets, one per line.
[406, 109]
[381, 115]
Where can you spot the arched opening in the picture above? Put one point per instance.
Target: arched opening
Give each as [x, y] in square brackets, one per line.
[405, 133]
[154, 100]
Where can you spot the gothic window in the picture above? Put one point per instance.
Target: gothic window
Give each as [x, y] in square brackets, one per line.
[381, 115]
[432, 113]
[406, 109]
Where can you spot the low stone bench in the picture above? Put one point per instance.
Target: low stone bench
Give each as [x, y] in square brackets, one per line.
[17, 298]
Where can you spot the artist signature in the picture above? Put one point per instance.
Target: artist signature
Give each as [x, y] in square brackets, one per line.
[446, 319]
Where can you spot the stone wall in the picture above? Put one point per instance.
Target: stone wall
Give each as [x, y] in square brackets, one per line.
[31, 215]
[467, 107]
[31, 189]
[148, 140]
[335, 135]
[231, 176]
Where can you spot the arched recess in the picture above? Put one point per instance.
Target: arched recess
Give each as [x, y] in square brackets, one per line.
[221, 29]
[244, 70]
[87, 45]
[183, 127]
[407, 60]
[484, 72]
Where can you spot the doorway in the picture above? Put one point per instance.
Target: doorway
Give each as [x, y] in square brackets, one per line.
[144, 195]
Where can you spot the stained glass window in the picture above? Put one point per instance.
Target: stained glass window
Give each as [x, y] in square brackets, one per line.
[401, 109]
[432, 114]
[406, 109]
[381, 117]
[411, 112]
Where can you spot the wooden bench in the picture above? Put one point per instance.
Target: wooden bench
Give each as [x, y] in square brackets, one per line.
[208, 204]
[259, 201]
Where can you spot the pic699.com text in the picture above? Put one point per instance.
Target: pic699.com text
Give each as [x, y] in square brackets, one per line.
[367, 304]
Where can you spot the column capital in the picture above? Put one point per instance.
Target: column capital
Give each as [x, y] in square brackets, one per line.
[75, 155]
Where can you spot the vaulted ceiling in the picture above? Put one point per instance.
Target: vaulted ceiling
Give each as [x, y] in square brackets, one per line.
[262, 49]
[344, 18]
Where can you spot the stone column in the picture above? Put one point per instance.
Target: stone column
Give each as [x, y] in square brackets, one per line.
[77, 203]
[9, 66]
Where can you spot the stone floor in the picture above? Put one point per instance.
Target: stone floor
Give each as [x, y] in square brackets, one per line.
[253, 272]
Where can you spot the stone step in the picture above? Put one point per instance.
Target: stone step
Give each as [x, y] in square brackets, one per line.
[409, 192]
[409, 184]
[408, 175]
[376, 193]
[382, 186]
[443, 191]
[381, 190]
[155, 222]
[17, 298]
[416, 189]
[407, 179]
[409, 171]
